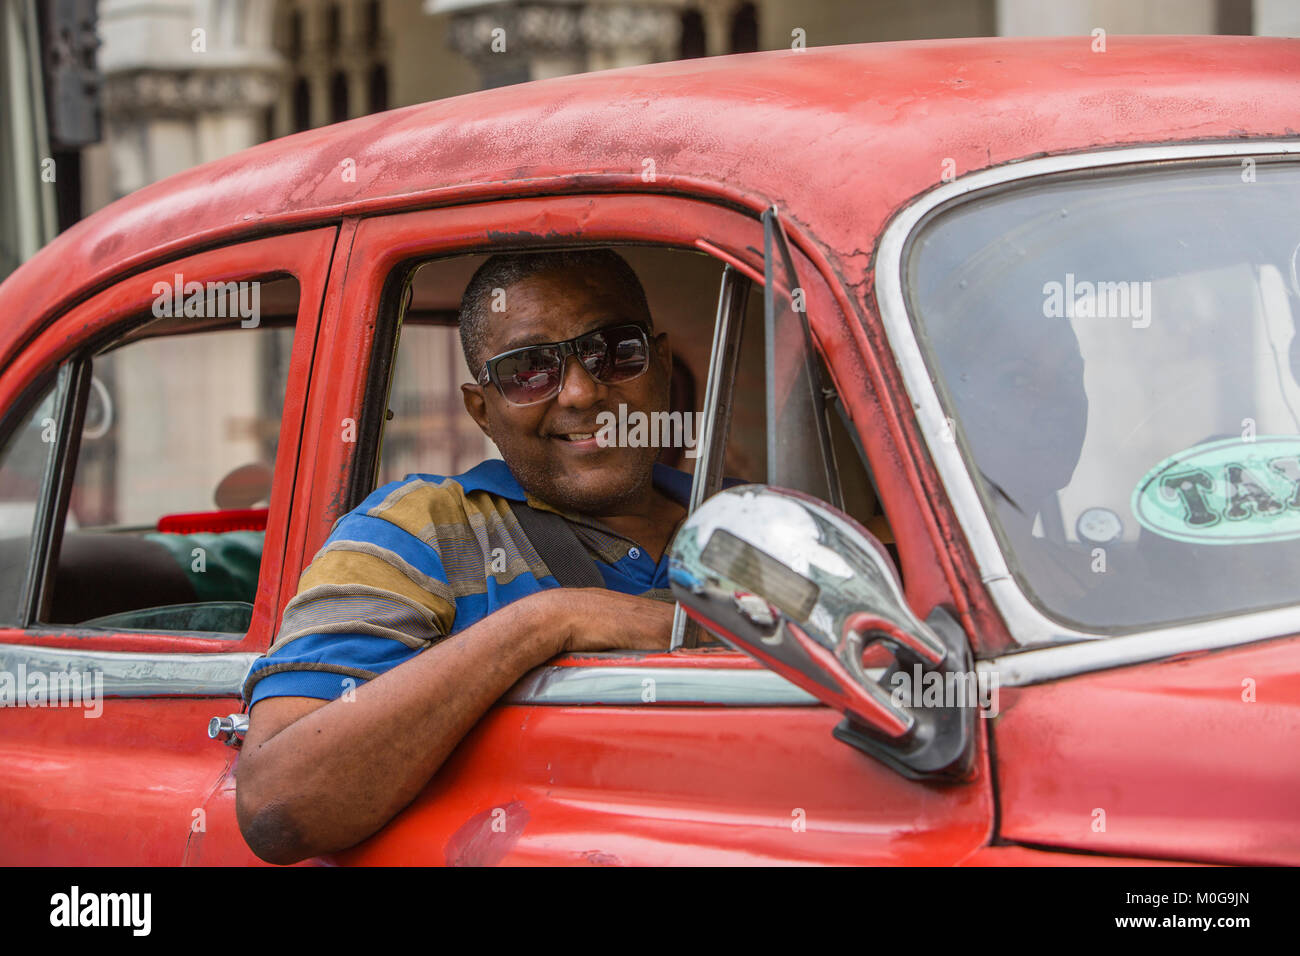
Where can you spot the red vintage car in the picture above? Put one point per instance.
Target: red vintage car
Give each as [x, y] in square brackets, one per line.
[1012, 580]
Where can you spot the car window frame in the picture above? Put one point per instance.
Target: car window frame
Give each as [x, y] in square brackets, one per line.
[362, 320]
[780, 282]
[64, 347]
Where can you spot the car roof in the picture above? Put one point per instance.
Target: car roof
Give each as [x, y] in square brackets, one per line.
[838, 137]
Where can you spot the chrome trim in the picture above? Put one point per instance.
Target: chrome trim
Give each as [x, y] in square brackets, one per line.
[724, 354]
[622, 686]
[711, 444]
[1023, 668]
[129, 674]
[1025, 622]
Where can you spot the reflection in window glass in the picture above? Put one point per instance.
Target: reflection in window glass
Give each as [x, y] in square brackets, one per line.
[170, 417]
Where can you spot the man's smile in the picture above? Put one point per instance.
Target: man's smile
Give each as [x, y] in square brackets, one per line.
[576, 435]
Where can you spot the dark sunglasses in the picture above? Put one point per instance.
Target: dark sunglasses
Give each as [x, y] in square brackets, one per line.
[534, 373]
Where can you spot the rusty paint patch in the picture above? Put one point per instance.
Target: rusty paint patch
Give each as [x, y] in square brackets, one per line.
[334, 506]
[486, 838]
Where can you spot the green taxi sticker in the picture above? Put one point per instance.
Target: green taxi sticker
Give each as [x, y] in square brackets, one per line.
[1233, 491]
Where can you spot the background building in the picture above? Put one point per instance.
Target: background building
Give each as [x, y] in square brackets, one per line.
[181, 82]
[99, 98]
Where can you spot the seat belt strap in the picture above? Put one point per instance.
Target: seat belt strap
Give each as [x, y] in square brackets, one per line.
[558, 546]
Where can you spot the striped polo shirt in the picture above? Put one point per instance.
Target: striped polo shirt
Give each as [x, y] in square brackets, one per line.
[421, 559]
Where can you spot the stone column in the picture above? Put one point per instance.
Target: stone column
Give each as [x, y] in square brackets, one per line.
[1036, 18]
[185, 81]
[717, 25]
[520, 40]
[1276, 18]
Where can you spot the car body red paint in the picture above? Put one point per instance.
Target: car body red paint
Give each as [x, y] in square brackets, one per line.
[839, 139]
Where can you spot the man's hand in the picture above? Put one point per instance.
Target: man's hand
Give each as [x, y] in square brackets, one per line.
[600, 620]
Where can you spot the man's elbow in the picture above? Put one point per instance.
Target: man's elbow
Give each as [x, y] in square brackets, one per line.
[272, 833]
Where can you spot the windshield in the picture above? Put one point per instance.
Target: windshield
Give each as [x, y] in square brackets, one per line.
[1119, 360]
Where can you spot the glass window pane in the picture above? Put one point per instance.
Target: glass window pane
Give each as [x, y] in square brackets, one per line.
[23, 461]
[799, 453]
[1121, 356]
[168, 506]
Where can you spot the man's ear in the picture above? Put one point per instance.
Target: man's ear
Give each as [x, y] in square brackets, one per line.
[666, 352]
[476, 405]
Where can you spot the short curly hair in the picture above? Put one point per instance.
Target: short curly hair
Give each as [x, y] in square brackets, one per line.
[505, 269]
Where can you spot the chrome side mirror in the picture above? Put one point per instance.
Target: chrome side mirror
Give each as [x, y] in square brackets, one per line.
[808, 592]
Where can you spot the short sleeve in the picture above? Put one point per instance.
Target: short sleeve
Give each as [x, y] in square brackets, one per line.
[373, 597]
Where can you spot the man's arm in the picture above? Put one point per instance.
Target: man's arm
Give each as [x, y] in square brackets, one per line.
[318, 776]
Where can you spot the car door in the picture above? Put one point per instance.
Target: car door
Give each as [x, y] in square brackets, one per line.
[150, 438]
[693, 756]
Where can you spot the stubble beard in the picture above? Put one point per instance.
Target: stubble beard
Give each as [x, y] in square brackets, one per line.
[562, 492]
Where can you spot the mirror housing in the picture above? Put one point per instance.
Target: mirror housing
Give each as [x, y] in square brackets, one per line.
[808, 591]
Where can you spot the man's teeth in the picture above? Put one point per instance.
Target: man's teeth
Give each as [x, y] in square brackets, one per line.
[579, 436]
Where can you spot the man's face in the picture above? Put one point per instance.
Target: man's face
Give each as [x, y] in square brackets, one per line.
[575, 475]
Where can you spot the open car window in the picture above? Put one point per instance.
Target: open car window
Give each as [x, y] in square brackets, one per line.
[427, 431]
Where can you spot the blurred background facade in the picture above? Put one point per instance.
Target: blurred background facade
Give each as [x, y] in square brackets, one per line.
[122, 93]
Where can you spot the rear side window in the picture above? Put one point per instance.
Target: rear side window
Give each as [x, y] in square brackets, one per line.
[174, 463]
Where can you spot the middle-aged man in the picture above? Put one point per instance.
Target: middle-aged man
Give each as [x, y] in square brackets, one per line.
[428, 601]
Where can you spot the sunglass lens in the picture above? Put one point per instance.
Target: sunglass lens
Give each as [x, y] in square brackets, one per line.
[615, 355]
[531, 376]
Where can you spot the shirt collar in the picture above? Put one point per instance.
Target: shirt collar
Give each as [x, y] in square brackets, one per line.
[493, 477]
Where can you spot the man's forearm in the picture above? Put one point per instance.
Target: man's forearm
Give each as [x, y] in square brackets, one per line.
[338, 774]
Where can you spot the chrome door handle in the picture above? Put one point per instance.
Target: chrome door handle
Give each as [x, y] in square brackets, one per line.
[230, 729]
